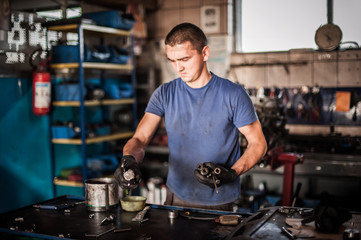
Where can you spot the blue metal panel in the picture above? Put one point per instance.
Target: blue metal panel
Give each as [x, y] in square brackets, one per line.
[24, 147]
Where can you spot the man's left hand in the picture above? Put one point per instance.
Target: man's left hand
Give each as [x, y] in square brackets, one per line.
[221, 175]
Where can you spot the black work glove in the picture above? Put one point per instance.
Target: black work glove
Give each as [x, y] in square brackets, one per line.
[209, 173]
[128, 174]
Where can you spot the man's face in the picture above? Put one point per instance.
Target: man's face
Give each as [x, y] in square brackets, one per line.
[186, 61]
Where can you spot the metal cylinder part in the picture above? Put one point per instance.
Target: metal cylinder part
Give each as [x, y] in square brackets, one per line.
[101, 194]
[203, 170]
[129, 175]
[172, 214]
[217, 171]
[351, 234]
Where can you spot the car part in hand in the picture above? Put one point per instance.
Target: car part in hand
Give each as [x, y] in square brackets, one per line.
[214, 175]
[128, 174]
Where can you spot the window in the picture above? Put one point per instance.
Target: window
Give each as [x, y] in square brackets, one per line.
[281, 25]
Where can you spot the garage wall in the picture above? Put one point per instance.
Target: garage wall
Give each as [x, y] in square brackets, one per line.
[171, 13]
[297, 68]
[25, 166]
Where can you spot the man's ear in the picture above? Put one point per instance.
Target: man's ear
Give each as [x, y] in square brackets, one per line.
[205, 53]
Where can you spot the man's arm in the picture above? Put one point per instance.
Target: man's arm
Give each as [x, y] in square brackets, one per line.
[256, 147]
[142, 136]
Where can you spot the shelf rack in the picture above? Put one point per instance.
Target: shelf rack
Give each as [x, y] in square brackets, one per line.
[101, 32]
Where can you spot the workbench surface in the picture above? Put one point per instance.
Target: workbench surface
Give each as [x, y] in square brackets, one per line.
[72, 220]
[75, 222]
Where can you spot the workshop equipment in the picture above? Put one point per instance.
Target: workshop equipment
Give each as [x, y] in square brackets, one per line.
[101, 194]
[271, 223]
[273, 121]
[288, 160]
[351, 234]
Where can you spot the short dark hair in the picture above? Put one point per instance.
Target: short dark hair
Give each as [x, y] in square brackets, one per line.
[187, 32]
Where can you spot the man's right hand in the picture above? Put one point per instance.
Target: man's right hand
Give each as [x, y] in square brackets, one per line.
[128, 174]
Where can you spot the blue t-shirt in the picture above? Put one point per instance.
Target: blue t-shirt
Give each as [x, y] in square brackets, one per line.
[202, 126]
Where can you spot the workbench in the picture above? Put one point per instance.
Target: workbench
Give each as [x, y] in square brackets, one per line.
[67, 217]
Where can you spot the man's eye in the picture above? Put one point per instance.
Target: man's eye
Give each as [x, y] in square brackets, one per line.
[185, 59]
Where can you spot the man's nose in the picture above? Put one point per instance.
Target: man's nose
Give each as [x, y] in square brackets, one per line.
[179, 66]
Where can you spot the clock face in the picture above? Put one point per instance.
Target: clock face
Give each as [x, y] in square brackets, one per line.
[328, 37]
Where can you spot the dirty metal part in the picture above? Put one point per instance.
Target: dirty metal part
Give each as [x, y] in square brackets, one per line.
[91, 215]
[215, 183]
[172, 214]
[62, 235]
[100, 234]
[205, 171]
[305, 212]
[231, 219]
[129, 175]
[13, 228]
[53, 207]
[122, 230]
[104, 220]
[288, 233]
[293, 210]
[144, 220]
[202, 169]
[101, 194]
[187, 215]
[81, 202]
[143, 237]
[108, 219]
[19, 219]
[139, 217]
[228, 219]
[351, 234]
[217, 171]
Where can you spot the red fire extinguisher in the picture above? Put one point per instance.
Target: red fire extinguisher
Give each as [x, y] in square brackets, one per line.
[41, 88]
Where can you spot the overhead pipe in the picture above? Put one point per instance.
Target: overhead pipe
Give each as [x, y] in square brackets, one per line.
[330, 11]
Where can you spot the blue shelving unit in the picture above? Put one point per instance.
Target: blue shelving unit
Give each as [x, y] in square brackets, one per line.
[82, 66]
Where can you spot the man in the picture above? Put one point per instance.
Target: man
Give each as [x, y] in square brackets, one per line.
[204, 115]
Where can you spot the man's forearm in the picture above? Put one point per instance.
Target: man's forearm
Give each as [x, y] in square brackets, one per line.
[135, 148]
[249, 158]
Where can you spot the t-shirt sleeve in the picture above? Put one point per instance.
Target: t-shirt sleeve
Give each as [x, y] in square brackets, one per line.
[156, 102]
[244, 111]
